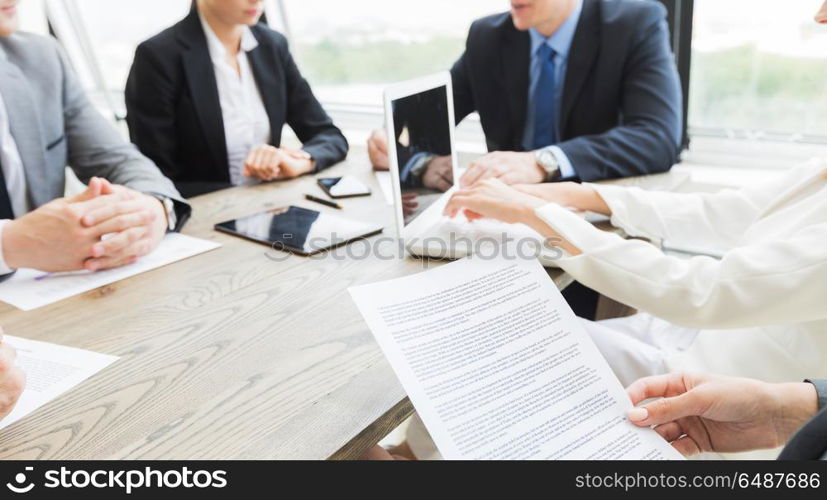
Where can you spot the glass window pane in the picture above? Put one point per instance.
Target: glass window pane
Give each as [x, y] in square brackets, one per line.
[758, 68]
[116, 28]
[349, 50]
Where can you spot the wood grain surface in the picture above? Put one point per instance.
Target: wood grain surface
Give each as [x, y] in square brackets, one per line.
[239, 353]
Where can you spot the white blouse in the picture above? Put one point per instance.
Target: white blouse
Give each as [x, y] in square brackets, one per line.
[761, 310]
[246, 124]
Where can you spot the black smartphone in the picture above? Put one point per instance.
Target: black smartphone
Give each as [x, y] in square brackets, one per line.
[343, 187]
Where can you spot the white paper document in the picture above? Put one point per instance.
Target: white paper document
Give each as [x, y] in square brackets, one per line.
[29, 289]
[498, 366]
[51, 370]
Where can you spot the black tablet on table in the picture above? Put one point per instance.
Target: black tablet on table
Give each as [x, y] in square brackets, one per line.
[298, 230]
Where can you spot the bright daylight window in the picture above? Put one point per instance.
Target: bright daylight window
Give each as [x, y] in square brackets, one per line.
[349, 50]
[759, 70]
[114, 42]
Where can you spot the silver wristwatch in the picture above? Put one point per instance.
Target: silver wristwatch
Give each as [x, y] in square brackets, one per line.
[549, 163]
[169, 209]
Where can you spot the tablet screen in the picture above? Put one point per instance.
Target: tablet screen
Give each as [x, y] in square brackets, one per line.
[298, 229]
[422, 138]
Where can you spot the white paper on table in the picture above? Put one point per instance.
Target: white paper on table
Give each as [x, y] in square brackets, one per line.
[24, 291]
[499, 367]
[51, 370]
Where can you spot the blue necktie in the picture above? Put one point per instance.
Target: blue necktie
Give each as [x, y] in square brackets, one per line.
[545, 126]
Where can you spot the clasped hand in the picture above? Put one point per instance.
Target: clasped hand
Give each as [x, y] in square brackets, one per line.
[269, 163]
[103, 227]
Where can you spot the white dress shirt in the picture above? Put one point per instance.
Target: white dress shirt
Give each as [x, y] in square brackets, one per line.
[14, 174]
[246, 124]
[759, 311]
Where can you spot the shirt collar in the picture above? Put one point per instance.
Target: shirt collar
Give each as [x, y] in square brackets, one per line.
[216, 48]
[562, 39]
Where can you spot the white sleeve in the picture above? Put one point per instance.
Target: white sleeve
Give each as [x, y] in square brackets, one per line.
[4, 269]
[771, 282]
[706, 220]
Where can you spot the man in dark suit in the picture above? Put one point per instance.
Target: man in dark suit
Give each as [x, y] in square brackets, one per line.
[568, 89]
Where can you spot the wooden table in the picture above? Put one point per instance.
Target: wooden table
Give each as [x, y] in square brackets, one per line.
[229, 354]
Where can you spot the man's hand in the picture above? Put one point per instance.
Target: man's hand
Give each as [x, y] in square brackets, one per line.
[509, 167]
[269, 163]
[135, 223]
[66, 234]
[378, 150]
[52, 238]
[439, 174]
[409, 204]
[12, 378]
[700, 413]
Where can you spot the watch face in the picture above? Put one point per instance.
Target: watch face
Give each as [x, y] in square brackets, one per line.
[548, 160]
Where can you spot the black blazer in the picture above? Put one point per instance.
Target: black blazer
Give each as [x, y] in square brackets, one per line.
[809, 443]
[621, 110]
[174, 113]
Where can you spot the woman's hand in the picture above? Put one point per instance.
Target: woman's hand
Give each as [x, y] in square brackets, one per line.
[12, 378]
[295, 162]
[268, 163]
[492, 198]
[568, 194]
[701, 413]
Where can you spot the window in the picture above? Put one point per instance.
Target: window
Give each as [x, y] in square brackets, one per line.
[759, 70]
[350, 50]
[114, 29]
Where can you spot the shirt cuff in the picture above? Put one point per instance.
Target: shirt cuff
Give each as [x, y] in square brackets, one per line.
[566, 169]
[616, 198]
[4, 269]
[575, 229]
[821, 391]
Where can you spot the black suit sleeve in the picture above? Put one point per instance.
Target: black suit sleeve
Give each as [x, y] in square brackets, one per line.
[305, 115]
[150, 106]
[648, 139]
[463, 96]
[810, 442]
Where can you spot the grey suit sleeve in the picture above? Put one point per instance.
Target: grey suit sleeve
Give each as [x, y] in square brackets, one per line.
[95, 149]
[821, 390]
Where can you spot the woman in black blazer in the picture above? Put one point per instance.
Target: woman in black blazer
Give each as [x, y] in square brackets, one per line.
[192, 111]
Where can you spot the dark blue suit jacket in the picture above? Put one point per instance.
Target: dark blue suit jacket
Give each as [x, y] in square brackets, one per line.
[621, 113]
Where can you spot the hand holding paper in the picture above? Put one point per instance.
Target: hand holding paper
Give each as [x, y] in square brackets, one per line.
[50, 371]
[12, 378]
[499, 367]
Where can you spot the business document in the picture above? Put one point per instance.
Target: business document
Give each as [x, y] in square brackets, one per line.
[51, 370]
[499, 367]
